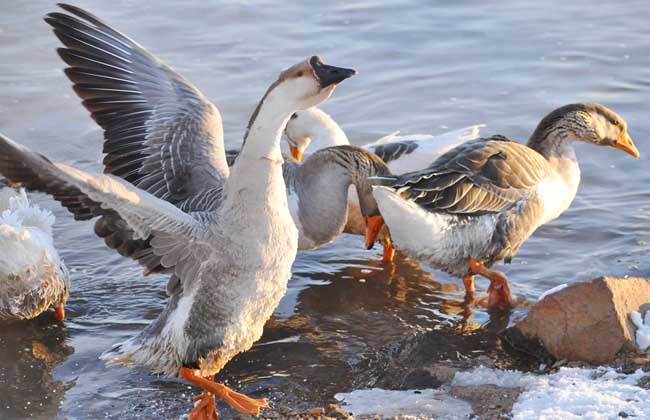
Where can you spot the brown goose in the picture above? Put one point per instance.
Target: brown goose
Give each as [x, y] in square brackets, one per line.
[479, 202]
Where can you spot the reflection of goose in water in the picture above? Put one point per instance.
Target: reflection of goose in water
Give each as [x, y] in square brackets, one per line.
[29, 352]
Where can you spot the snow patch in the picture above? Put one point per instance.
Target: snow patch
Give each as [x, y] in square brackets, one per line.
[551, 291]
[427, 402]
[570, 393]
[642, 329]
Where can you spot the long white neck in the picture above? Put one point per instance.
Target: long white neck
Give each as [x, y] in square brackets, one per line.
[325, 131]
[265, 132]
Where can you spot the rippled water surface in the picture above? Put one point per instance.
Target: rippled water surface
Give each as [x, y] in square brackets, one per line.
[423, 67]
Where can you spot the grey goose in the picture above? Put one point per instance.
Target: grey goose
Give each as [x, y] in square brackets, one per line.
[479, 202]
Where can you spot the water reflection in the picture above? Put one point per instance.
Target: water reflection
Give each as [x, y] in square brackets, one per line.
[29, 352]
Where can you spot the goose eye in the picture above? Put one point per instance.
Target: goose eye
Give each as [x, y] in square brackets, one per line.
[299, 74]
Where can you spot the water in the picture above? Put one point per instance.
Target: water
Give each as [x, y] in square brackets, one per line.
[423, 68]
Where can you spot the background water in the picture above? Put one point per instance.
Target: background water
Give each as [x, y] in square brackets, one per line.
[423, 67]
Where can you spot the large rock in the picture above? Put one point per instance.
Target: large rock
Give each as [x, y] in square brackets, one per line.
[588, 321]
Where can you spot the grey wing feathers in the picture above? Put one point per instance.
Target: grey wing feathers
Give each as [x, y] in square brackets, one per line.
[394, 150]
[170, 231]
[478, 177]
[161, 134]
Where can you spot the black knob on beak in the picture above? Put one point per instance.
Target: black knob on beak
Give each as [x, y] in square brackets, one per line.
[329, 75]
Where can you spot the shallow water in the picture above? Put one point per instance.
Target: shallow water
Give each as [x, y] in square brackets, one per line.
[422, 69]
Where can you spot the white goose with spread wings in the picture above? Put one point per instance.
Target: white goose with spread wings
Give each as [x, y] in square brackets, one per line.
[480, 201]
[228, 239]
[166, 138]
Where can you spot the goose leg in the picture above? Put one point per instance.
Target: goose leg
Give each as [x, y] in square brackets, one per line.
[211, 389]
[468, 301]
[389, 251]
[59, 312]
[499, 296]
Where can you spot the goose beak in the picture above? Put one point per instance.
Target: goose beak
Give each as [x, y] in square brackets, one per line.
[329, 75]
[626, 144]
[373, 226]
[295, 152]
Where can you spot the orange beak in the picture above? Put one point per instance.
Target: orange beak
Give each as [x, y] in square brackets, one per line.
[373, 226]
[626, 144]
[59, 312]
[297, 154]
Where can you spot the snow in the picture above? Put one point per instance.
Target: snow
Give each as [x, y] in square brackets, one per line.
[427, 402]
[551, 291]
[643, 329]
[570, 393]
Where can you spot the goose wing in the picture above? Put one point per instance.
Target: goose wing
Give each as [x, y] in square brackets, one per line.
[479, 177]
[161, 134]
[180, 240]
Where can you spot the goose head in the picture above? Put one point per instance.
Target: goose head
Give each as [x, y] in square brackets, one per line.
[301, 86]
[587, 122]
[312, 127]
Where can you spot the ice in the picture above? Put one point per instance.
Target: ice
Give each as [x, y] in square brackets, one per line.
[642, 329]
[551, 291]
[570, 393]
[422, 403]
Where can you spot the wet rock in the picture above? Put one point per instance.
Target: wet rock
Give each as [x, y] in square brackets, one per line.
[489, 402]
[588, 321]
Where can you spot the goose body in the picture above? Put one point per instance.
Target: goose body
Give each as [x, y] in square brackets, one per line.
[484, 234]
[479, 202]
[33, 277]
[313, 129]
[170, 201]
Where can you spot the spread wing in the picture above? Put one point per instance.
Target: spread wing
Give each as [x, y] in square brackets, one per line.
[180, 240]
[161, 134]
[478, 177]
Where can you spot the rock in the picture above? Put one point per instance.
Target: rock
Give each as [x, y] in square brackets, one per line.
[588, 321]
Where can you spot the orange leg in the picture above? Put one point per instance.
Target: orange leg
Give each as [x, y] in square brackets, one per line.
[468, 281]
[499, 296]
[211, 389]
[389, 251]
[59, 312]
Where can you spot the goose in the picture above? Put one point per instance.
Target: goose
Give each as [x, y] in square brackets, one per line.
[230, 265]
[313, 196]
[170, 201]
[315, 129]
[479, 202]
[317, 191]
[33, 277]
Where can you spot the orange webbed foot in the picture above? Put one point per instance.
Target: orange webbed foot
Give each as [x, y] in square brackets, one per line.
[206, 409]
[239, 402]
[499, 296]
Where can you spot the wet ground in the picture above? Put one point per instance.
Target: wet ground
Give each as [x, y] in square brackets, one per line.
[423, 68]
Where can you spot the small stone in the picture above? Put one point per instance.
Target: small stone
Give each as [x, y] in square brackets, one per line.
[318, 411]
[644, 382]
[337, 412]
[639, 361]
[623, 414]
